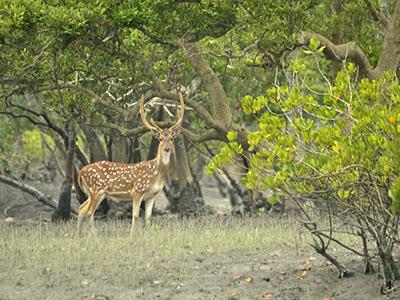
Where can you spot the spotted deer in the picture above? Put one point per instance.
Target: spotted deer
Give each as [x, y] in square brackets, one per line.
[130, 182]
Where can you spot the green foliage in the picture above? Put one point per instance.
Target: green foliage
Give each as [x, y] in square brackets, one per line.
[336, 144]
[32, 145]
[226, 154]
[21, 144]
[98, 45]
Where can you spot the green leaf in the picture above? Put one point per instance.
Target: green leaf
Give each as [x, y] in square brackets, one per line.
[232, 136]
[314, 44]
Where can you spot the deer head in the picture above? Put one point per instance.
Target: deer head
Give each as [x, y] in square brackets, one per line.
[165, 136]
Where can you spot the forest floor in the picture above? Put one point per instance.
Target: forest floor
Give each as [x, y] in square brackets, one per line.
[220, 257]
[209, 258]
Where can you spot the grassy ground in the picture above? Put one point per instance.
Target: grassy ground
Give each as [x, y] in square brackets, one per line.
[173, 259]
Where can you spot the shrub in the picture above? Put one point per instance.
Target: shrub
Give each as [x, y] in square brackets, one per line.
[337, 155]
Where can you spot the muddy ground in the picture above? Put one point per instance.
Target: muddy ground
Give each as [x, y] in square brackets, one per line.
[289, 273]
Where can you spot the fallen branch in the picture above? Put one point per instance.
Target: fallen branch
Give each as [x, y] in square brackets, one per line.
[46, 200]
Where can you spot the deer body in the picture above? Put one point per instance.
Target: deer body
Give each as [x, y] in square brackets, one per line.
[129, 182]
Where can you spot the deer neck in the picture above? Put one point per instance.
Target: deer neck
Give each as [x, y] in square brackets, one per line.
[163, 159]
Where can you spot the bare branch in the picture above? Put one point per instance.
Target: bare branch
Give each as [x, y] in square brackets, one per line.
[206, 116]
[95, 97]
[23, 116]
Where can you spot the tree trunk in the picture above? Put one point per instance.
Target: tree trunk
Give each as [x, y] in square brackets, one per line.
[134, 152]
[184, 195]
[63, 211]
[221, 111]
[338, 31]
[389, 57]
[96, 147]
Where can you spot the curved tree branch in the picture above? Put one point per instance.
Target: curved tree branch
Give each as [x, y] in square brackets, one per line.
[389, 58]
[339, 52]
[33, 117]
[222, 114]
[161, 92]
[122, 130]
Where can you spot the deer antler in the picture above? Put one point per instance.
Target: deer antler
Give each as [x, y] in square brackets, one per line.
[181, 113]
[144, 119]
[154, 126]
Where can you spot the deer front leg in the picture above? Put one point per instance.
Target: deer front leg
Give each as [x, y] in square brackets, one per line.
[137, 200]
[149, 210]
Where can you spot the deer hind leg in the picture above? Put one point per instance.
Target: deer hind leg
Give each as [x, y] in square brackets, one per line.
[82, 212]
[149, 210]
[94, 204]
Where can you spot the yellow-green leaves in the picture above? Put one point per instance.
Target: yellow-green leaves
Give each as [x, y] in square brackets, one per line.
[225, 154]
[252, 105]
[232, 136]
[342, 194]
[296, 65]
[329, 144]
[254, 138]
[346, 136]
[314, 47]
[336, 147]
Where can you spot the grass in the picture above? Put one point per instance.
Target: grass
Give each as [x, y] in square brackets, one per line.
[46, 247]
[51, 255]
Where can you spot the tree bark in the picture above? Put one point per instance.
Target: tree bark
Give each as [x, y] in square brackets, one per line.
[338, 30]
[119, 149]
[390, 55]
[219, 101]
[221, 112]
[339, 52]
[185, 196]
[96, 148]
[377, 14]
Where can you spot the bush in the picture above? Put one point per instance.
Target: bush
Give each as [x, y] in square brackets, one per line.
[337, 155]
